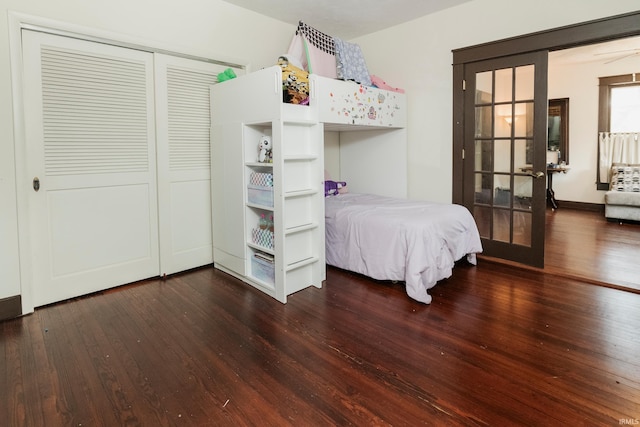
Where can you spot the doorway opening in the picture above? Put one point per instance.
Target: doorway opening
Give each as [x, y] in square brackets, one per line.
[557, 42]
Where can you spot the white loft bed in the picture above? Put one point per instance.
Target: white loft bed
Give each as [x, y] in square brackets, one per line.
[370, 127]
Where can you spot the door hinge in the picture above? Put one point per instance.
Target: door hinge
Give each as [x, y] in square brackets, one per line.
[463, 154]
[464, 85]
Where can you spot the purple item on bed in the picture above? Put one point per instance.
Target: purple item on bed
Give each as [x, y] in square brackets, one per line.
[333, 188]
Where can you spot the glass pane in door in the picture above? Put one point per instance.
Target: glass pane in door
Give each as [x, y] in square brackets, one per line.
[501, 225]
[483, 155]
[503, 120]
[522, 154]
[504, 85]
[523, 192]
[523, 119]
[502, 194]
[502, 156]
[524, 83]
[522, 228]
[482, 215]
[484, 121]
[483, 188]
[484, 88]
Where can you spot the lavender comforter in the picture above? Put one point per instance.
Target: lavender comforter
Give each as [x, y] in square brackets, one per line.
[396, 239]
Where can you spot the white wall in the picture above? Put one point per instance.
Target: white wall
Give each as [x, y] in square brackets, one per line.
[579, 83]
[417, 56]
[206, 28]
[332, 154]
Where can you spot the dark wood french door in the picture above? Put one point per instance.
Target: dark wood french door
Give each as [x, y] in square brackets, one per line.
[504, 158]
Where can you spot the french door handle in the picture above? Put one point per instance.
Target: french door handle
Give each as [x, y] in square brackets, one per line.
[36, 183]
[537, 175]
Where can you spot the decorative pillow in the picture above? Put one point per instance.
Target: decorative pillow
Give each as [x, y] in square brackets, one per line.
[617, 176]
[625, 177]
[350, 63]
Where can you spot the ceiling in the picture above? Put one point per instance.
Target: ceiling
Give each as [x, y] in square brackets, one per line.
[626, 50]
[346, 19]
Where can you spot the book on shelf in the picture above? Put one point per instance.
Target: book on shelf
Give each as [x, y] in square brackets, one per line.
[264, 256]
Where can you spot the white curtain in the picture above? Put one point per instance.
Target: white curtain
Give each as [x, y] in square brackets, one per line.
[617, 148]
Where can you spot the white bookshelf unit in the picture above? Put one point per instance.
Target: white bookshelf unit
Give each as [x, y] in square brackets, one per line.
[292, 258]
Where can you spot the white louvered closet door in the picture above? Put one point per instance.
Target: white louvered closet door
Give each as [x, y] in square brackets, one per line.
[90, 136]
[184, 161]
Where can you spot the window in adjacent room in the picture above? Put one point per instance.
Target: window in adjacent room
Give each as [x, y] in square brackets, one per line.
[619, 111]
[619, 103]
[624, 110]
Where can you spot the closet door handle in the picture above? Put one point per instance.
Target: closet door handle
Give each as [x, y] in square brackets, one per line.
[536, 175]
[36, 183]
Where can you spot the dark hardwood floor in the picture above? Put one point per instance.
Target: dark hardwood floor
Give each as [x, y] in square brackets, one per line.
[583, 244]
[498, 346]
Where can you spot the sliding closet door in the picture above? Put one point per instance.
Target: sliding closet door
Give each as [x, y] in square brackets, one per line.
[90, 145]
[184, 161]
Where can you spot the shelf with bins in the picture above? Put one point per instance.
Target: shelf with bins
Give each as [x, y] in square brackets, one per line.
[262, 236]
[259, 209]
[261, 245]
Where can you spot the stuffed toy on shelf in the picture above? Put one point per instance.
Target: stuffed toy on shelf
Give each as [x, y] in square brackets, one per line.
[264, 150]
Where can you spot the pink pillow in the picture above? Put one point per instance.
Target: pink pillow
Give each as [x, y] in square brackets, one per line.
[379, 83]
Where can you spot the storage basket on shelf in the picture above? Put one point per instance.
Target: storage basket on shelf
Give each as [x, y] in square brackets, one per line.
[262, 237]
[260, 188]
[262, 268]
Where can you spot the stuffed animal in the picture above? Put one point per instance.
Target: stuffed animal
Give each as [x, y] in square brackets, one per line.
[295, 97]
[264, 149]
[295, 82]
[227, 74]
[333, 188]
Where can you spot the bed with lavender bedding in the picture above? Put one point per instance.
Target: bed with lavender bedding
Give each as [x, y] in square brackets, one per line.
[397, 239]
